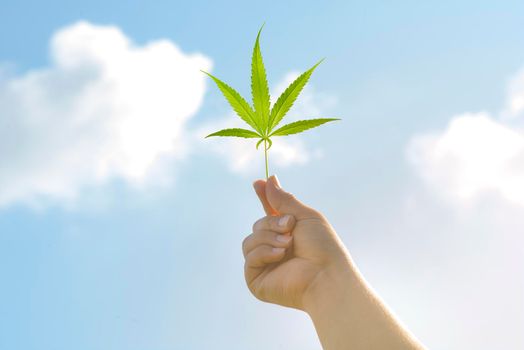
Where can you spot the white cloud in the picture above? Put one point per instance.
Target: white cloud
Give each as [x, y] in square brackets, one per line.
[477, 154]
[105, 108]
[241, 155]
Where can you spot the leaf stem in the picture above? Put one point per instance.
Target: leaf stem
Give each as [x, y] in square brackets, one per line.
[265, 156]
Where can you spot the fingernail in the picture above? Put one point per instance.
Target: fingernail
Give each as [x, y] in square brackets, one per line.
[278, 250]
[284, 238]
[276, 182]
[283, 221]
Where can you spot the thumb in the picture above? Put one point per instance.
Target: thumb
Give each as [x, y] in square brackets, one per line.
[286, 203]
[260, 189]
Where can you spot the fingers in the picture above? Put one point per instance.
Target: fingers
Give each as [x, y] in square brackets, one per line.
[269, 238]
[263, 247]
[263, 255]
[269, 230]
[269, 241]
[281, 224]
[260, 189]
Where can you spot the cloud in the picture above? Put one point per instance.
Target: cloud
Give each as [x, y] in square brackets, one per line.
[104, 109]
[473, 238]
[107, 109]
[241, 155]
[477, 154]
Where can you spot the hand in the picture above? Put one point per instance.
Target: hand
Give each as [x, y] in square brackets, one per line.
[290, 249]
[294, 258]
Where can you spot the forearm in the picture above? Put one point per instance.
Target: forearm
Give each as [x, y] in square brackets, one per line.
[348, 315]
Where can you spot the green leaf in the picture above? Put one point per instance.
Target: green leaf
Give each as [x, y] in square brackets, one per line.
[261, 116]
[300, 126]
[288, 97]
[259, 86]
[241, 107]
[236, 132]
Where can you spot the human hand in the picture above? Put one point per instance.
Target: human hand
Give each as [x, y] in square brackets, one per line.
[312, 271]
[290, 250]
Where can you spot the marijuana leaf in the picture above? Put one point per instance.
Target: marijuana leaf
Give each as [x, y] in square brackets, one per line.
[262, 117]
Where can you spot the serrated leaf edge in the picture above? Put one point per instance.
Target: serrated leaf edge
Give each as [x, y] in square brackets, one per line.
[246, 114]
[300, 82]
[259, 86]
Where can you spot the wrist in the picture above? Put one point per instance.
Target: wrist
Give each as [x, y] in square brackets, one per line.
[347, 314]
[332, 285]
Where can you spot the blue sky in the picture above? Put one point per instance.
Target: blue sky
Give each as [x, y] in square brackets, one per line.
[420, 179]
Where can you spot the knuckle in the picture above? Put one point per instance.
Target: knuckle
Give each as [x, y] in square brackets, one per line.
[258, 256]
[249, 259]
[286, 196]
[290, 198]
[255, 260]
[258, 224]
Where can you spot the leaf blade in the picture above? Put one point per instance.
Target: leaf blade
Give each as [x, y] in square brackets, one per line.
[259, 86]
[301, 126]
[237, 102]
[288, 97]
[235, 132]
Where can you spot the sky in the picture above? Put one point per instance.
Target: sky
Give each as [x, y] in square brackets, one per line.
[121, 227]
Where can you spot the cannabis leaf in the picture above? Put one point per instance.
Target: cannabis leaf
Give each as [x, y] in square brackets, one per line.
[263, 118]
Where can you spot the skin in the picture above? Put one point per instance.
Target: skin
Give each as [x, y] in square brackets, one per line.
[294, 258]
